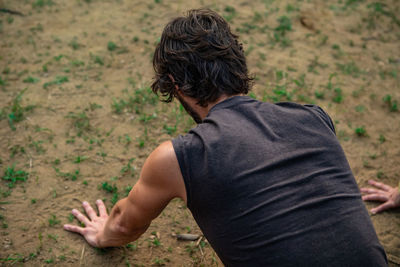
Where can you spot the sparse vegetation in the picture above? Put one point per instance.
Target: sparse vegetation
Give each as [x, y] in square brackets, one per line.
[13, 175]
[77, 112]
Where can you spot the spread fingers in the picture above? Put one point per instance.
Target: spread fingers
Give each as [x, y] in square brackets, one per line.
[375, 197]
[102, 208]
[384, 206]
[74, 228]
[89, 210]
[82, 218]
[371, 191]
[379, 185]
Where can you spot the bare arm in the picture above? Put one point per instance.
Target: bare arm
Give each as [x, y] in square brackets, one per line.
[390, 196]
[160, 181]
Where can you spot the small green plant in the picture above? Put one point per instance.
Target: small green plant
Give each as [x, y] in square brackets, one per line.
[252, 95]
[58, 80]
[111, 46]
[31, 79]
[132, 246]
[51, 236]
[62, 258]
[393, 106]
[349, 69]
[53, 220]
[12, 175]
[159, 262]
[17, 149]
[118, 106]
[48, 261]
[330, 85]
[129, 168]
[94, 106]
[142, 96]
[361, 131]
[102, 154]
[381, 8]
[73, 176]
[98, 60]
[126, 139]
[156, 242]
[37, 145]
[3, 114]
[77, 63]
[145, 118]
[229, 14]
[314, 64]
[111, 189]
[42, 3]
[128, 189]
[17, 111]
[74, 44]
[360, 108]
[319, 94]
[382, 139]
[58, 58]
[80, 159]
[141, 142]
[170, 129]
[135, 39]
[2, 82]
[80, 121]
[337, 51]
[338, 95]
[285, 25]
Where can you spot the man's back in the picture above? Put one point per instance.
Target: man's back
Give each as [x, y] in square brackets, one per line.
[270, 185]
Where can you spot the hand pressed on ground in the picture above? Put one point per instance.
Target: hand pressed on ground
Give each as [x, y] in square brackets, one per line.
[383, 193]
[94, 225]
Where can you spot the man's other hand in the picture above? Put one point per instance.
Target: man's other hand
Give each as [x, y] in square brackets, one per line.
[383, 193]
[94, 224]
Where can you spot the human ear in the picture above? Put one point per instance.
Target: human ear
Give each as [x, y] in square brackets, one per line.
[178, 91]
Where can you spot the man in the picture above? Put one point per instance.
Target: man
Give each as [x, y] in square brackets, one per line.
[268, 184]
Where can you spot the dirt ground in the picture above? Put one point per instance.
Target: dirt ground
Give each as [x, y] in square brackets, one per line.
[77, 118]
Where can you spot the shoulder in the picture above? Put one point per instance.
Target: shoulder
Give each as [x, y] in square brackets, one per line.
[161, 169]
[322, 114]
[163, 154]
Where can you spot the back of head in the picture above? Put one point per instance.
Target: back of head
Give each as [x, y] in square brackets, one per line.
[200, 54]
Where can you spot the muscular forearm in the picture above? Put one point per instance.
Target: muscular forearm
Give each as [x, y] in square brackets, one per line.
[119, 230]
[131, 216]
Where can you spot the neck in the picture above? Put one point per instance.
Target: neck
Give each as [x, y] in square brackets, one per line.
[200, 110]
[207, 109]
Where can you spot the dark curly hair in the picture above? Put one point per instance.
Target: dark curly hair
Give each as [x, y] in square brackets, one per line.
[200, 55]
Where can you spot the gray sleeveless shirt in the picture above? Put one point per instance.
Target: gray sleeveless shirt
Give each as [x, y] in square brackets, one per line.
[269, 185]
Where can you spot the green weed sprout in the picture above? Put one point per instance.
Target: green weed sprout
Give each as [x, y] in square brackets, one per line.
[111, 189]
[12, 176]
[361, 131]
[17, 111]
[111, 46]
[393, 106]
[285, 25]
